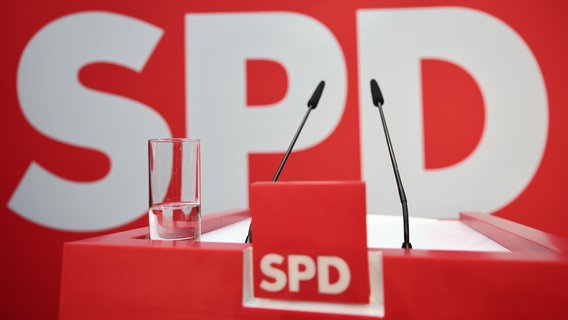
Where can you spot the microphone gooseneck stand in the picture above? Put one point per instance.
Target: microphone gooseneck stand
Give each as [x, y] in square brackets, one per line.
[378, 101]
[312, 104]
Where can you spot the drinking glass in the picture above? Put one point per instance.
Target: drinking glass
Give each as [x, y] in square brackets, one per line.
[174, 189]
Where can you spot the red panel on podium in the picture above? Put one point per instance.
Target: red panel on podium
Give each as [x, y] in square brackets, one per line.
[286, 230]
[127, 276]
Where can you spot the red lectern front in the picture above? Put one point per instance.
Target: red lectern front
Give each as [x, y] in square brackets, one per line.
[128, 276]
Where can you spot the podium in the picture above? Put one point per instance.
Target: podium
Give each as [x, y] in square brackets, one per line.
[128, 276]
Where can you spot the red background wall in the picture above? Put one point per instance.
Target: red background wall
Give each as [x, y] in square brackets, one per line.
[30, 267]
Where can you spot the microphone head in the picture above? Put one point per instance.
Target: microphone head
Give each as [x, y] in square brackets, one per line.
[376, 93]
[313, 102]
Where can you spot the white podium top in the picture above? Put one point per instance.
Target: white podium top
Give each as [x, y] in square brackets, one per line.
[386, 232]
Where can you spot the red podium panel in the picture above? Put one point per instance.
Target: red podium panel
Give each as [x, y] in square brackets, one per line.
[127, 276]
[329, 213]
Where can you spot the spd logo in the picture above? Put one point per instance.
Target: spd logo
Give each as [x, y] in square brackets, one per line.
[309, 241]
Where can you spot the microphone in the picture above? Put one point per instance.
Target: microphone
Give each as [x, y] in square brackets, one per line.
[378, 101]
[312, 104]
